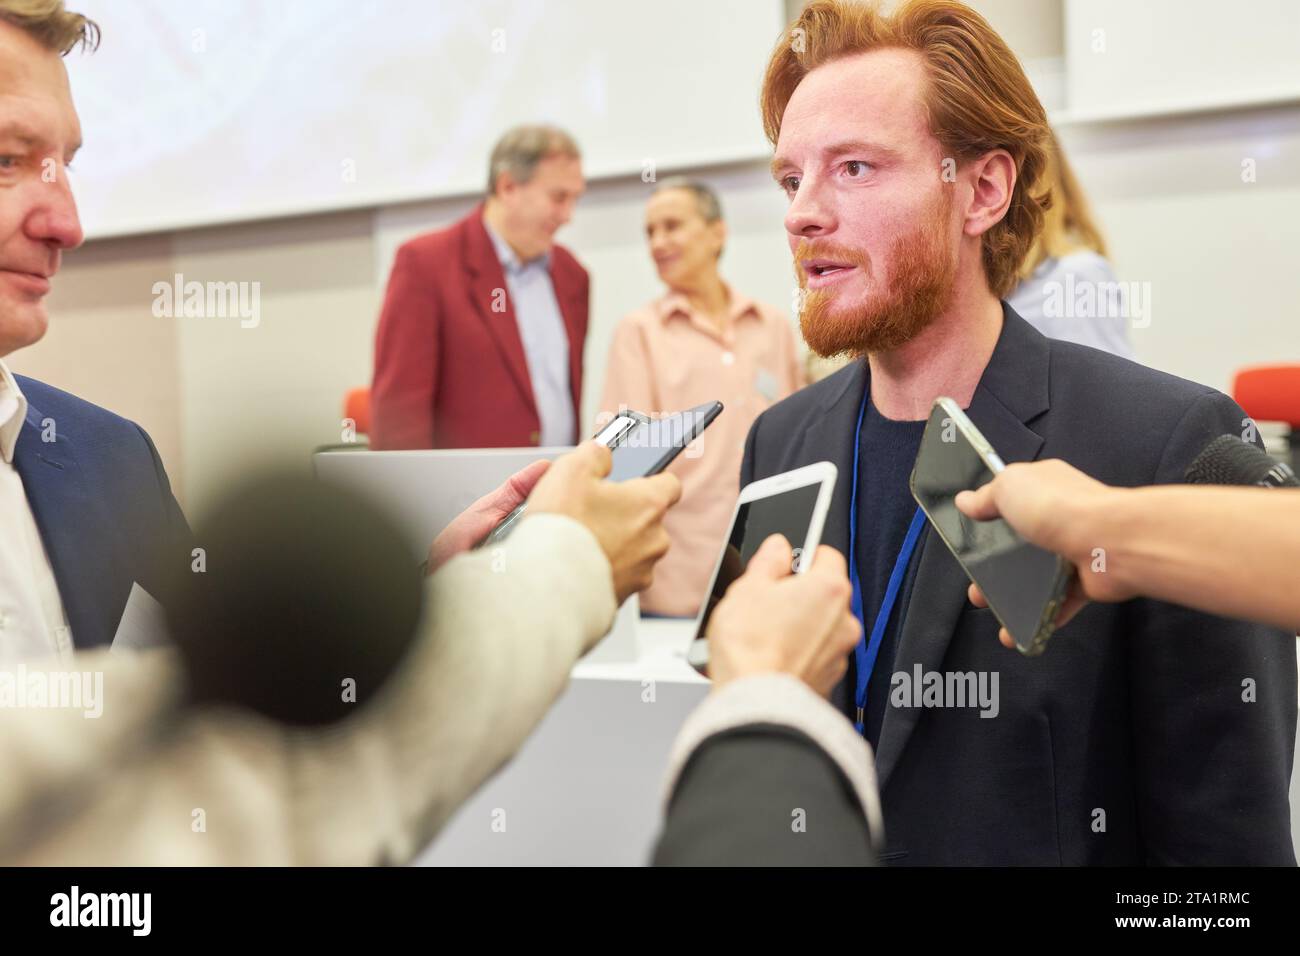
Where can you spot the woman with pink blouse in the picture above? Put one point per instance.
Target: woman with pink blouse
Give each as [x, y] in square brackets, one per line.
[700, 341]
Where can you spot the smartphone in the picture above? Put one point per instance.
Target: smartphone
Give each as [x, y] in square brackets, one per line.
[650, 447]
[640, 446]
[1025, 585]
[792, 504]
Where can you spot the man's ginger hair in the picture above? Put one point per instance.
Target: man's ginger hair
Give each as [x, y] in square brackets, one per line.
[977, 99]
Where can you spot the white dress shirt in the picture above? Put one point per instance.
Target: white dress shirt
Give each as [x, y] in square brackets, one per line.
[32, 619]
[545, 339]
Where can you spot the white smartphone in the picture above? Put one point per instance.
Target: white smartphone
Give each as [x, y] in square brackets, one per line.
[793, 504]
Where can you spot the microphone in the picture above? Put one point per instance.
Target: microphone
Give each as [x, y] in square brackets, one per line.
[300, 605]
[1230, 461]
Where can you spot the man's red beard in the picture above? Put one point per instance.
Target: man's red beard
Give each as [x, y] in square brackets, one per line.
[920, 288]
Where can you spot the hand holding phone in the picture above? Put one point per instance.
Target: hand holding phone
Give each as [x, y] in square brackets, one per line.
[641, 447]
[626, 518]
[1025, 585]
[1045, 501]
[775, 621]
[792, 505]
[469, 527]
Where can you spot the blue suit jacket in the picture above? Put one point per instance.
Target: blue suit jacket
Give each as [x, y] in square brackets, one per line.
[1129, 741]
[103, 505]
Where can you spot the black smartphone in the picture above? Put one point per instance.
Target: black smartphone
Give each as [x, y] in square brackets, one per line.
[650, 446]
[1025, 585]
[640, 446]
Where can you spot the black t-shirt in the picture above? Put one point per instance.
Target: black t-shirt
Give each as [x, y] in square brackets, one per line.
[887, 451]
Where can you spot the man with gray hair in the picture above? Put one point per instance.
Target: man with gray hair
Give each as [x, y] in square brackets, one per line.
[481, 335]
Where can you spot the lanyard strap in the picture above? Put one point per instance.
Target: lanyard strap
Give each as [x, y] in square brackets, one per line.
[869, 647]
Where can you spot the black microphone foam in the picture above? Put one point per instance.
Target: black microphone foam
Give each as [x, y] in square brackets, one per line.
[300, 588]
[1230, 461]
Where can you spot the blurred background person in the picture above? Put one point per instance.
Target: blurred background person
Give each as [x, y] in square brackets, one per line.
[701, 340]
[481, 335]
[1069, 255]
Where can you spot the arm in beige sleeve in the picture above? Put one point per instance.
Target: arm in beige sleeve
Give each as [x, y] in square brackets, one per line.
[501, 631]
[112, 704]
[505, 627]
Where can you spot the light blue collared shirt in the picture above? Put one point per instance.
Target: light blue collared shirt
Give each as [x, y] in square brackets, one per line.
[545, 338]
[1047, 301]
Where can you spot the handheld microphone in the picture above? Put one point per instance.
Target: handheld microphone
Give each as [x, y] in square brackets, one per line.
[299, 602]
[1230, 461]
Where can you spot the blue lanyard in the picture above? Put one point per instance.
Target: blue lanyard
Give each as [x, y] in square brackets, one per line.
[869, 647]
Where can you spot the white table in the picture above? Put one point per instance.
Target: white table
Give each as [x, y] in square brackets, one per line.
[585, 788]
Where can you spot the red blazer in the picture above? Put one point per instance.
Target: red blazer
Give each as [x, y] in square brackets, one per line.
[450, 372]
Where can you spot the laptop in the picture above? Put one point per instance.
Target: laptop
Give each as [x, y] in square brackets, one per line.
[425, 490]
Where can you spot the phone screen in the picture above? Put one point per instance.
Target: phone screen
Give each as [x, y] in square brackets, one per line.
[651, 446]
[639, 447]
[789, 513]
[1018, 578]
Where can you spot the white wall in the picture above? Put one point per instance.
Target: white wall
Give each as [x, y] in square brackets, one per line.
[1127, 57]
[273, 392]
[235, 110]
[1177, 202]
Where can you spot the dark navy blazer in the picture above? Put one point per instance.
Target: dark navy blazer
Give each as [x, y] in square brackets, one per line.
[103, 505]
[1145, 733]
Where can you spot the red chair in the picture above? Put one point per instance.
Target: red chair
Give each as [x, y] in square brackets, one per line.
[1271, 393]
[356, 406]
